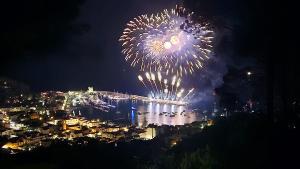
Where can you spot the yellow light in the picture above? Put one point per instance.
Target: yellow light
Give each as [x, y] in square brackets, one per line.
[156, 47]
[174, 40]
[178, 83]
[167, 45]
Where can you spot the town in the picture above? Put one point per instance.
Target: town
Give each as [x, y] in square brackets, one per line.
[29, 121]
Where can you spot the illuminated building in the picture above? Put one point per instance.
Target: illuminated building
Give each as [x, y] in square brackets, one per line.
[148, 134]
[14, 146]
[72, 121]
[34, 116]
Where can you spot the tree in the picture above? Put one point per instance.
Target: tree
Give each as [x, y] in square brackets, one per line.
[198, 160]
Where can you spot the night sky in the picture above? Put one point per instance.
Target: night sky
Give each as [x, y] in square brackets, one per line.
[92, 58]
[73, 44]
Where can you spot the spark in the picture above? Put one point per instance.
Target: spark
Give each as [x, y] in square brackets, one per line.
[172, 41]
[142, 80]
[190, 91]
[165, 90]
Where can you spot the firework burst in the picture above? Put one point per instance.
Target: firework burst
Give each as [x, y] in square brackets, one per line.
[171, 41]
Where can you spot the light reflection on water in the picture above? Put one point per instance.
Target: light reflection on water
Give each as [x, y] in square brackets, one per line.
[163, 114]
[143, 114]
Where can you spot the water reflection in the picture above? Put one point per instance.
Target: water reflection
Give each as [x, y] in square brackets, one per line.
[142, 114]
[163, 114]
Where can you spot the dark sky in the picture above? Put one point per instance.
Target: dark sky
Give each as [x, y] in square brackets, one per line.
[73, 44]
[92, 58]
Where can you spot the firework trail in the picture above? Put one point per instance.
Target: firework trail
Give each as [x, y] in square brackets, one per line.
[166, 90]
